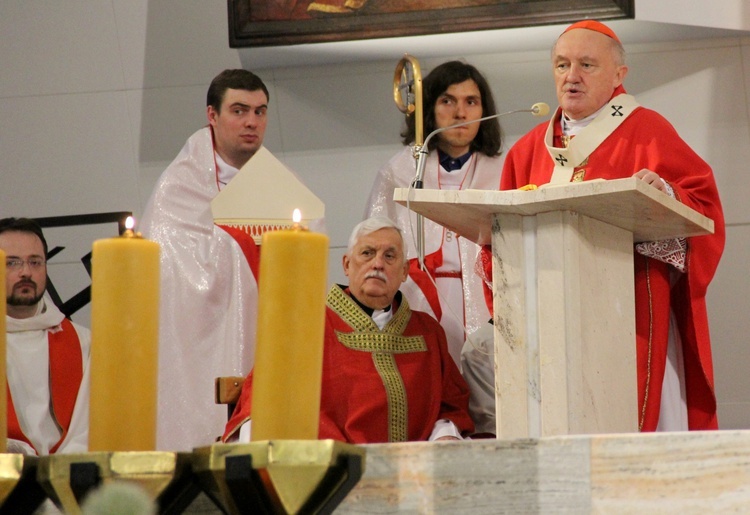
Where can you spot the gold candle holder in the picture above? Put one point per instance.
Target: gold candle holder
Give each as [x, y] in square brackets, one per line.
[165, 476]
[279, 476]
[19, 490]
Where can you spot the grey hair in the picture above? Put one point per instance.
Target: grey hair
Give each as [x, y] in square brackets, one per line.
[371, 225]
[618, 51]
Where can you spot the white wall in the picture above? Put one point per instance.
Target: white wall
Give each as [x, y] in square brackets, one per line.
[96, 97]
[728, 14]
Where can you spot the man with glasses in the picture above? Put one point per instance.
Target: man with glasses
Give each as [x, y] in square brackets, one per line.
[47, 354]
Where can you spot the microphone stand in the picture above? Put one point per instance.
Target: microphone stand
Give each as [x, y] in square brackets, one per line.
[538, 109]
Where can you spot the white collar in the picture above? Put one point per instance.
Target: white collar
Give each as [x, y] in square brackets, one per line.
[47, 316]
[382, 317]
[226, 171]
[572, 127]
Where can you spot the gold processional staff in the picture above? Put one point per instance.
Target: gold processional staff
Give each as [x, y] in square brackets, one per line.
[407, 93]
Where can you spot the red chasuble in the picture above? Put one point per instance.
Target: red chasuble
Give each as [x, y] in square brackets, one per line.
[381, 386]
[647, 140]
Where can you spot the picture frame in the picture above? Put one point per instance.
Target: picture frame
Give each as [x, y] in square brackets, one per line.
[69, 239]
[261, 23]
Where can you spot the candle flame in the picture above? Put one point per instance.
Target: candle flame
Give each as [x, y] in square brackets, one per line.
[129, 223]
[297, 216]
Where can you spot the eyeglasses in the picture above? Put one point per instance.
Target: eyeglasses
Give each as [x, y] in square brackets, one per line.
[17, 264]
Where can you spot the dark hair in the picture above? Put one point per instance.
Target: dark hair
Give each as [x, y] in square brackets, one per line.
[233, 79]
[23, 225]
[489, 138]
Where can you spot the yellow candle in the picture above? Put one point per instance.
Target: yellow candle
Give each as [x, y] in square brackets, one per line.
[124, 344]
[289, 350]
[3, 397]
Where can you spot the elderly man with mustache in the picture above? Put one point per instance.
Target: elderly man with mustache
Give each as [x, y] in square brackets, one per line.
[387, 372]
[47, 354]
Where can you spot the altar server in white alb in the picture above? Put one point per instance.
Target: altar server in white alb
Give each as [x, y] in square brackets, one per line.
[47, 354]
[462, 158]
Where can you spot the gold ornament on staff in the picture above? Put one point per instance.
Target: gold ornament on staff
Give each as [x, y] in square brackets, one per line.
[407, 93]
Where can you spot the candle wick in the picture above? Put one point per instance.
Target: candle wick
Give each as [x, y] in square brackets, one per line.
[129, 233]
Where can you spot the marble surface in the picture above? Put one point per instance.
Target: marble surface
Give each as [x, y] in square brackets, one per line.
[656, 473]
[700, 472]
[626, 203]
[563, 285]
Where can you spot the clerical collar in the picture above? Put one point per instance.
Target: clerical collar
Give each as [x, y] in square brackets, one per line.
[226, 171]
[572, 127]
[453, 163]
[366, 309]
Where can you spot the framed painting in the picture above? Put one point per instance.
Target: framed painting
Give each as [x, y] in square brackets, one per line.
[255, 23]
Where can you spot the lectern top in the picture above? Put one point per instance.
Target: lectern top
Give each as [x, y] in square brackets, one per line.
[628, 203]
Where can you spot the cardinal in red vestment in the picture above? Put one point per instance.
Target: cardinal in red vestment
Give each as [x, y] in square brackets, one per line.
[600, 132]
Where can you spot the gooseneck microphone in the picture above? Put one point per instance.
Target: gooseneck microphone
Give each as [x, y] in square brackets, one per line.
[538, 109]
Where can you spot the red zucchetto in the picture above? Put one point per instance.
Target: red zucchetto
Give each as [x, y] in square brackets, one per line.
[596, 26]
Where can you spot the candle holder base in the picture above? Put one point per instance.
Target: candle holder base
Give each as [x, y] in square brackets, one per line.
[166, 477]
[279, 476]
[19, 490]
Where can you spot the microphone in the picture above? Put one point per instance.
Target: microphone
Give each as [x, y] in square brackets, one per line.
[538, 109]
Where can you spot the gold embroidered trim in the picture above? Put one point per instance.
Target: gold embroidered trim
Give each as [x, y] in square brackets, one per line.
[395, 392]
[372, 341]
[345, 307]
[348, 310]
[383, 345]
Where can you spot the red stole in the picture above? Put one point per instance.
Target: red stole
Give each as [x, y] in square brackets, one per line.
[65, 375]
[248, 247]
[421, 278]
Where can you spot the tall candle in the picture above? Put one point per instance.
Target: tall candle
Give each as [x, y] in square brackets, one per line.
[124, 344]
[289, 349]
[3, 341]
